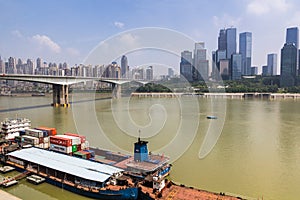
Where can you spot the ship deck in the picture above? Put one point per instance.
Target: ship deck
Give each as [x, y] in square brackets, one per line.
[71, 165]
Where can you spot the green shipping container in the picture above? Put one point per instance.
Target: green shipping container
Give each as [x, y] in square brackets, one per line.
[74, 148]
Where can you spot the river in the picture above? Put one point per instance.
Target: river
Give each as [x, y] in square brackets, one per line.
[256, 155]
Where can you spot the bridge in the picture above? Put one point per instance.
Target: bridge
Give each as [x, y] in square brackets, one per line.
[60, 84]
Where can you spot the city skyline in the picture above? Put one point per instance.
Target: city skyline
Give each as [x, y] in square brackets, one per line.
[67, 31]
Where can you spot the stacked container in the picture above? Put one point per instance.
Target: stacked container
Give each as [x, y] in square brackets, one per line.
[61, 144]
[50, 131]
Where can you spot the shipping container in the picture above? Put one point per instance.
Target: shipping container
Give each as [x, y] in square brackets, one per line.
[46, 145]
[75, 140]
[46, 140]
[79, 147]
[30, 140]
[60, 148]
[87, 154]
[91, 152]
[50, 131]
[60, 141]
[82, 137]
[34, 133]
[74, 148]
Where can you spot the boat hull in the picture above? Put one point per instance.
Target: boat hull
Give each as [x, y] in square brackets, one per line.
[124, 194]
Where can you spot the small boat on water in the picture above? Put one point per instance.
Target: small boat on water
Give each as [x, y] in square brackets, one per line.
[211, 117]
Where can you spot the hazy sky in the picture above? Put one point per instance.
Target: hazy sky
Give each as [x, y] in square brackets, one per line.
[67, 30]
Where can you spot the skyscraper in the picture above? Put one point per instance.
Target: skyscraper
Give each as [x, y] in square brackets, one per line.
[230, 42]
[186, 65]
[245, 49]
[222, 40]
[11, 67]
[272, 64]
[236, 60]
[2, 67]
[292, 36]
[124, 67]
[200, 66]
[149, 73]
[288, 65]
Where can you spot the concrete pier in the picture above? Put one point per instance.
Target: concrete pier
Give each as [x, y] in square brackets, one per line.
[60, 95]
[116, 91]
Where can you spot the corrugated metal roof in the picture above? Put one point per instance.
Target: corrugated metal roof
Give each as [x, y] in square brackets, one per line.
[68, 164]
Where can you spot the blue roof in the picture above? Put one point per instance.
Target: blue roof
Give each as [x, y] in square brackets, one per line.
[75, 166]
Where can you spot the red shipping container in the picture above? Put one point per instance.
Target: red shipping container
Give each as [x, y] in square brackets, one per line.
[82, 137]
[51, 131]
[60, 141]
[79, 147]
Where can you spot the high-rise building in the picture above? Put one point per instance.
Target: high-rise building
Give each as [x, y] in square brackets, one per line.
[236, 61]
[149, 73]
[254, 71]
[292, 36]
[226, 47]
[170, 72]
[11, 67]
[245, 49]
[2, 66]
[222, 41]
[272, 64]
[288, 65]
[124, 67]
[265, 70]
[230, 42]
[224, 69]
[186, 65]
[200, 66]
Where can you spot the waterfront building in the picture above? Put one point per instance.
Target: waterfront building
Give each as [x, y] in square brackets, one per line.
[245, 49]
[124, 67]
[200, 66]
[272, 64]
[186, 65]
[254, 71]
[265, 70]
[236, 60]
[222, 43]
[2, 66]
[170, 72]
[29, 69]
[11, 66]
[230, 42]
[226, 47]
[149, 73]
[224, 69]
[292, 36]
[288, 65]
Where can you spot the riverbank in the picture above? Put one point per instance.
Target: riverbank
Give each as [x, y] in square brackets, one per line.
[221, 95]
[6, 196]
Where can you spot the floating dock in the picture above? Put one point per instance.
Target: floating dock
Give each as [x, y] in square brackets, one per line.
[6, 169]
[35, 179]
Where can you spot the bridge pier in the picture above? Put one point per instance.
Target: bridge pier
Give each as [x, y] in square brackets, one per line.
[60, 95]
[116, 91]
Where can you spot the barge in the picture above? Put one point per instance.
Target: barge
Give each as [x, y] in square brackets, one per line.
[91, 179]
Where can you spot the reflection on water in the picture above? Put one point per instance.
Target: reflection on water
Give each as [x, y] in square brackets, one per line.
[256, 155]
